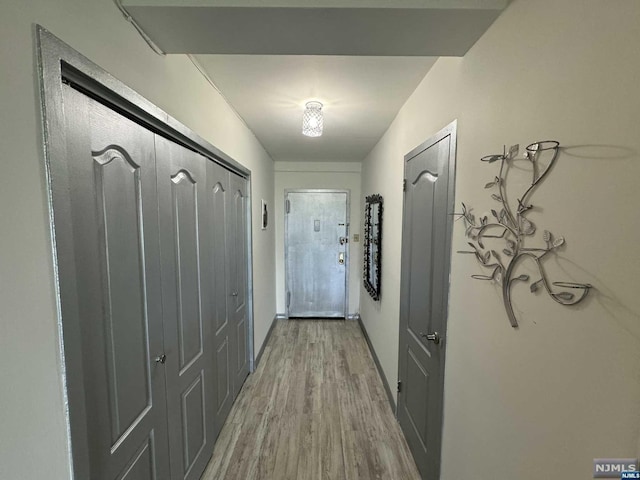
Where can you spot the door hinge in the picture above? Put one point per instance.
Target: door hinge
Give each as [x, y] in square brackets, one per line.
[399, 386]
[404, 185]
[288, 299]
[287, 206]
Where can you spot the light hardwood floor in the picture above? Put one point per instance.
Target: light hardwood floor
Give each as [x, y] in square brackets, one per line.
[314, 409]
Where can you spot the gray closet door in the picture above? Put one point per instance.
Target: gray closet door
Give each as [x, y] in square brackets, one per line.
[182, 197]
[237, 252]
[218, 193]
[110, 202]
[426, 247]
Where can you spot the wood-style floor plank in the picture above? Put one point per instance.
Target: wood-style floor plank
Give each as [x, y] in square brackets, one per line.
[314, 409]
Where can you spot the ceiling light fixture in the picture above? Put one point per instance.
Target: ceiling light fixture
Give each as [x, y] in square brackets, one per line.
[312, 120]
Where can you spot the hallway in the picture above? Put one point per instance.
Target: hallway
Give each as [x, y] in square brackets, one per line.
[151, 148]
[315, 408]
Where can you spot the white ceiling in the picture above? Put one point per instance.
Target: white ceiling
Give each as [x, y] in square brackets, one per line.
[360, 58]
[361, 97]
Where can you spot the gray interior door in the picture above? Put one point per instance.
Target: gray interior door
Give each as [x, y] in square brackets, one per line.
[237, 278]
[107, 246]
[426, 246]
[182, 207]
[316, 250]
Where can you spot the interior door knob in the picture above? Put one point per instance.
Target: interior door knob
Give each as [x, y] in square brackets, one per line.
[432, 337]
[234, 294]
[161, 359]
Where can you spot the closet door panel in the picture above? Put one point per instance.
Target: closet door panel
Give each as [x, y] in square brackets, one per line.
[121, 252]
[112, 201]
[184, 207]
[220, 293]
[218, 193]
[237, 252]
[188, 341]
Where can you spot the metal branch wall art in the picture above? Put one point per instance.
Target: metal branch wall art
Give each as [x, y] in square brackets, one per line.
[513, 228]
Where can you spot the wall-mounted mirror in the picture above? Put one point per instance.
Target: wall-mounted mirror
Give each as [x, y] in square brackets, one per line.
[373, 245]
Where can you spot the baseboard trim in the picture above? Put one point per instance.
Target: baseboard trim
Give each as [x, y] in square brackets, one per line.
[377, 362]
[266, 340]
[350, 316]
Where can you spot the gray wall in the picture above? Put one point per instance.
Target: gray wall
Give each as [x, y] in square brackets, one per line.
[33, 435]
[544, 400]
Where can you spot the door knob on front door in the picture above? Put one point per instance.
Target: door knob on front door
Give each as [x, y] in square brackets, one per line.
[432, 337]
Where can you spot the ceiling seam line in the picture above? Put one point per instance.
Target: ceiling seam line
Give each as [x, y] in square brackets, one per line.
[199, 67]
[208, 78]
[139, 29]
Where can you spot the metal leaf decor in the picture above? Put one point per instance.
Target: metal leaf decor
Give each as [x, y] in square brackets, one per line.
[514, 228]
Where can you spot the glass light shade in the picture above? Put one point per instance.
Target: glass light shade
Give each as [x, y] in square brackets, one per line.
[312, 120]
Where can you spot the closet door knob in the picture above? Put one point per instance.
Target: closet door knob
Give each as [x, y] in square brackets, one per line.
[432, 337]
